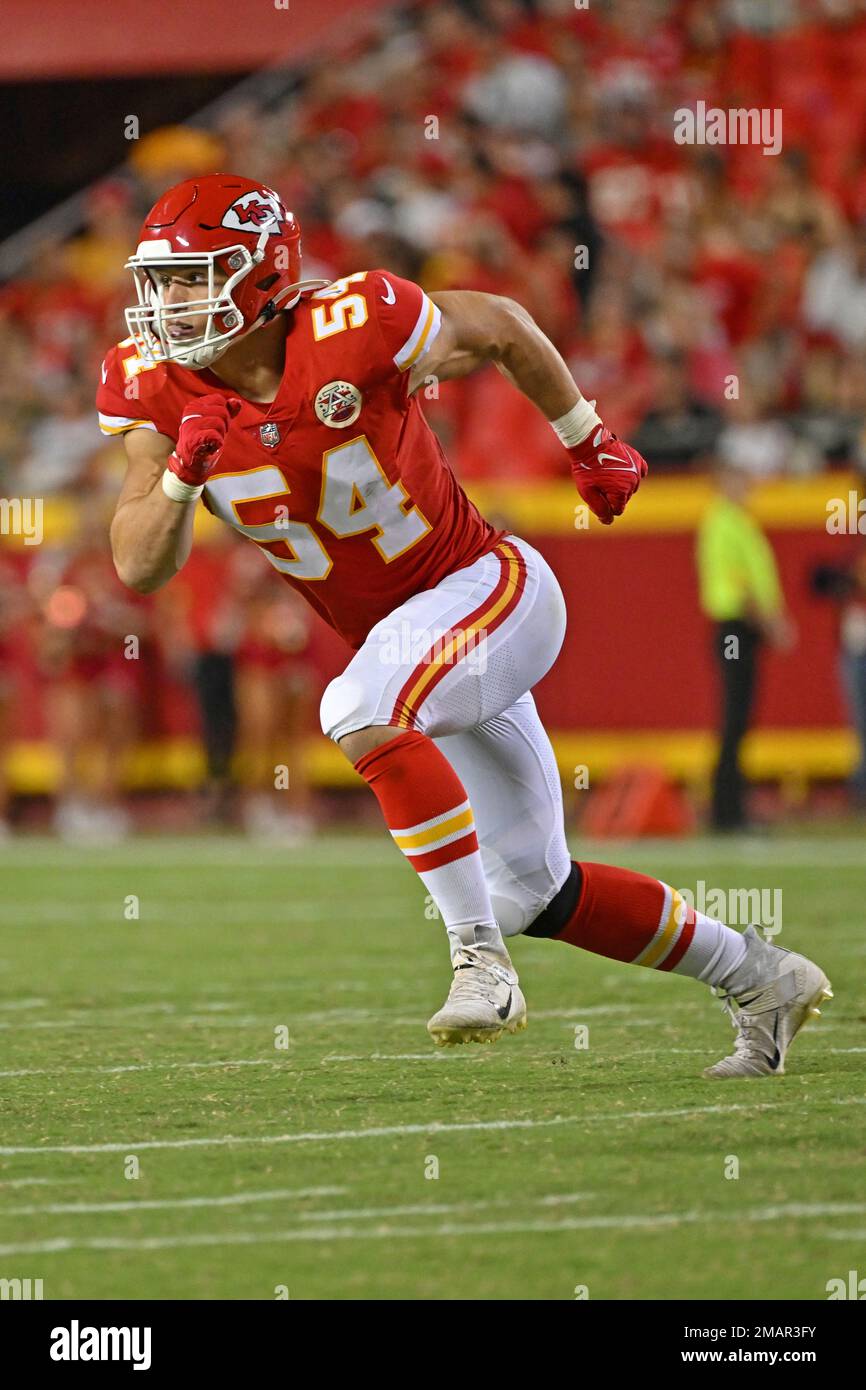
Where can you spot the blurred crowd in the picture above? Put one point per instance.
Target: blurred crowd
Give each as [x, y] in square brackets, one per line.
[712, 298]
[94, 673]
[528, 149]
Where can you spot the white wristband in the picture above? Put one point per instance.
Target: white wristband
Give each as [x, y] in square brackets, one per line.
[179, 491]
[575, 426]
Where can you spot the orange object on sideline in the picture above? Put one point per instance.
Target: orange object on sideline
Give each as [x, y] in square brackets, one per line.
[638, 801]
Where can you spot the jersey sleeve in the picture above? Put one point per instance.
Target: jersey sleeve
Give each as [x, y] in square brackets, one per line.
[119, 403]
[409, 321]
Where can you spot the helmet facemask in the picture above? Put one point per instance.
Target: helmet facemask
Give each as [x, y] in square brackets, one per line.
[148, 320]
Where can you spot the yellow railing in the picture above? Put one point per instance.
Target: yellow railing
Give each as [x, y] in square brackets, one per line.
[663, 505]
[791, 756]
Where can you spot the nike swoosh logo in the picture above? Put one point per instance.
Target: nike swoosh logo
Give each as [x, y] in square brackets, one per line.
[777, 1056]
[504, 1011]
[104, 374]
[390, 297]
[614, 458]
[620, 466]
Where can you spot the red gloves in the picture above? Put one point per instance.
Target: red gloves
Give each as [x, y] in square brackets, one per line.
[201, 437]
[606, 473]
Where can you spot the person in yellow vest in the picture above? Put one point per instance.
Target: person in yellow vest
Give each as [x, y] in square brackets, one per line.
[741, 594]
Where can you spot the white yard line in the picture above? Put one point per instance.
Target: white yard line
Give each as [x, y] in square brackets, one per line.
[186, 1010]
[143, 1066]
[344, 1016]
[593, 1010]
[443, 1208]
[329, 1016]
[323, 851]
[636, 1221]
[842, 852]
[233, 1199]
[441, 1054]
[284, 1013]
[159, 909]
[432, 1127]
[242, 1198]
[34, 1182]
[188, 853]
[118, 1021]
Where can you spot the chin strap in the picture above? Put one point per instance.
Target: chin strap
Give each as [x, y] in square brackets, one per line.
[271, 308]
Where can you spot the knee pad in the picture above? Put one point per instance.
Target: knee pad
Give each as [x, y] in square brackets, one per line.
[512, 915]
[345, 707]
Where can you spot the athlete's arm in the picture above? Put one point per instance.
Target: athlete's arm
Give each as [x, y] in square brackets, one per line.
[151, 534]
[477, 328]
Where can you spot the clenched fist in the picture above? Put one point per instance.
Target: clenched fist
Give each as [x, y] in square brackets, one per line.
[201, 437]
[607, 473]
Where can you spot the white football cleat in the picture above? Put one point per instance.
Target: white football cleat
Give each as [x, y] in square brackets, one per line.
[484, 1001]
[776, 992]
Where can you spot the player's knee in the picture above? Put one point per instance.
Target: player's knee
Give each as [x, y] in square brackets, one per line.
[344, 708]
[535, 905]
[512, 913]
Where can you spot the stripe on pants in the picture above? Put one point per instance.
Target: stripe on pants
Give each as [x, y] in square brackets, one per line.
[489, 615]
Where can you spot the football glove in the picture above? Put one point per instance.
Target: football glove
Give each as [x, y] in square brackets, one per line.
[607, 473]
[200, 439]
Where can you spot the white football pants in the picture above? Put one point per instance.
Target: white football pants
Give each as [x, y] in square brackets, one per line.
[457, 663]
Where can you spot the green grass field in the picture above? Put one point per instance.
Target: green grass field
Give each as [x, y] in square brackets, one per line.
[306, 1167]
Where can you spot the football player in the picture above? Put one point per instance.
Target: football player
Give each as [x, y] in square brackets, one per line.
[290, 409]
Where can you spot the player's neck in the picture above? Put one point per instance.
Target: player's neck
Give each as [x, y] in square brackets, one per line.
[254, 367]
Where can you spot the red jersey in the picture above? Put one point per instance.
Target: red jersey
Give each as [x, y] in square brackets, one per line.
[340, 479]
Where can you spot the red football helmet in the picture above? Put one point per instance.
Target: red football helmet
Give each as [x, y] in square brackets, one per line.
[216, 224]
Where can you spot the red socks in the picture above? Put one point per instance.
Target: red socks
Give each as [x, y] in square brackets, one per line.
[630, 917]
[428, 814]
[422, 799]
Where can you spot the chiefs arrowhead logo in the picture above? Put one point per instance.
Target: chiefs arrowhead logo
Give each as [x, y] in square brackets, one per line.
[255, 212]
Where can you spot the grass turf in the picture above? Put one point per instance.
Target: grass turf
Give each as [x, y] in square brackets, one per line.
[306, 1168]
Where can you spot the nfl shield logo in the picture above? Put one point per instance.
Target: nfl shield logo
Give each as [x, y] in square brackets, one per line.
[269, 434]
